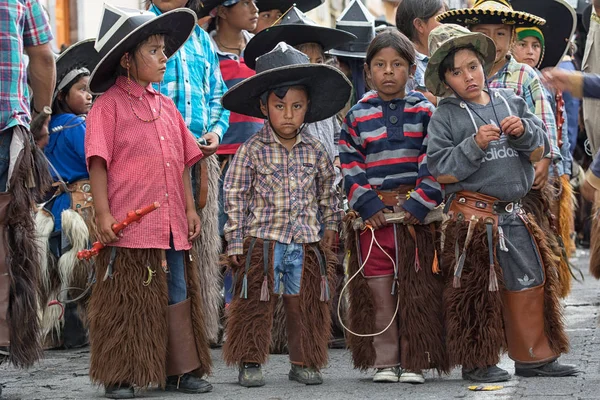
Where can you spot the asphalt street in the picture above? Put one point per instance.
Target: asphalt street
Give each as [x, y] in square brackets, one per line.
[64, 374]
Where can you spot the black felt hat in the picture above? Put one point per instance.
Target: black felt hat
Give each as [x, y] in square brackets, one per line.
[561, 21]
[355, 19]
[328, 89]
[294, 29]
[121, 29]
[77, 59]
[285, 5]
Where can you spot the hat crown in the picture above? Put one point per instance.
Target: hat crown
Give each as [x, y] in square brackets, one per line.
[492, 5]
[295, 16]
[356, 14]
[443, 33]
[282, 55]
[114, 18]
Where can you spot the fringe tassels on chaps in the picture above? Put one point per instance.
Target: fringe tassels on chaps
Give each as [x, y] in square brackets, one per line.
[473, 313]
[420, 314]
[250, 320]
[128, 321]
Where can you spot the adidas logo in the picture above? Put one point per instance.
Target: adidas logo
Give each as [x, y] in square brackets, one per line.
[494, 153]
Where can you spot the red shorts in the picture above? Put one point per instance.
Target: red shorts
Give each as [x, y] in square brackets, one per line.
[378, 262]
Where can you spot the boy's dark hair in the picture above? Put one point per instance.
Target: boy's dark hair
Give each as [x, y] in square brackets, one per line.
[304, 46]
[59, 105]
[408, 10]
[447, 63]
[391, 38]
[135, 50]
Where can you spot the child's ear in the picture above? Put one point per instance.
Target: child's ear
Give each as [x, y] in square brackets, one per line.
[412, 70]
[124, 60]
[367, 71]
[263, 109]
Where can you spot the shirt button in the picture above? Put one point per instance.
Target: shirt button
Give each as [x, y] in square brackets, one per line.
[154, 109]
[168, 165]
[166, 194]
[293, 198]
[162, 138]
[393, 106]
[291, 177]
[393, 119]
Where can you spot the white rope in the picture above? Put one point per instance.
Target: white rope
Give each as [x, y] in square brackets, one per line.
[373, 240]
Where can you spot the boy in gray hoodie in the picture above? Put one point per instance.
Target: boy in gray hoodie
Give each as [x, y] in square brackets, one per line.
[501, 278]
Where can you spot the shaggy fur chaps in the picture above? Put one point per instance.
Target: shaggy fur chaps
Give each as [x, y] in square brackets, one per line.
[250, 320]
[595, 241]
[128, 319]
[420, 316]
[206, 250]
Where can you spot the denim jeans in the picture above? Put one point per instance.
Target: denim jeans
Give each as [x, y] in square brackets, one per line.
[176, 276]
[288, 260]
[5, 139]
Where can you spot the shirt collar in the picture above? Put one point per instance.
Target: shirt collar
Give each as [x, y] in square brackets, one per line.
[421, 56]
[268, 136]
[134, 88]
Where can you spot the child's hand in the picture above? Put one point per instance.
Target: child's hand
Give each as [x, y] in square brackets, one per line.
[193, 225]
[105, 223]
[486, 134]
[378, 221]
[541, 173]
[235, 260]
[410, 219]
[512, 126]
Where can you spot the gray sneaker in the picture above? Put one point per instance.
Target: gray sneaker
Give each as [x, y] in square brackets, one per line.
[251, 375]
[306, 375]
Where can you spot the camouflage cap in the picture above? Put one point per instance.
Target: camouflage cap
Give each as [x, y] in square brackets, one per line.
[444, 39]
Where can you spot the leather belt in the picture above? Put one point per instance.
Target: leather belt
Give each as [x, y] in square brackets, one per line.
[464, 205]
[396, 197]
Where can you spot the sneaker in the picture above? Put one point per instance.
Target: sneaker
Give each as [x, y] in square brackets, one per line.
[551, 369]
[123, 391]
[386, 375]
[188, 383]
[412, 377]
[251, 375]
[489, 374]
[306, 375]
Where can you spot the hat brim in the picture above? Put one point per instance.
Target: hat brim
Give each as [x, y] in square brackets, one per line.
[432, 80]
[81, 54]
[284, 5]
[348, 54]
[474, 16]
[328, 89]
[558, 29]
[294, 35]
[176, 25]
[206, 7]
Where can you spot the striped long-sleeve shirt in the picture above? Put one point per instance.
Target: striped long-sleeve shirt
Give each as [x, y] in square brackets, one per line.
[383, 145]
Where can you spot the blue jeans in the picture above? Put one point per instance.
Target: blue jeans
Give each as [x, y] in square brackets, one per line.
[288, 260]
[5, 139]
[176, 276]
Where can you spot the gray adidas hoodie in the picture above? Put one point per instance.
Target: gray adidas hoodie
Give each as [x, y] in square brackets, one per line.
[505, 169]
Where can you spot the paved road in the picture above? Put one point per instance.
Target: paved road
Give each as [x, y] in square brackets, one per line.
[63, 374]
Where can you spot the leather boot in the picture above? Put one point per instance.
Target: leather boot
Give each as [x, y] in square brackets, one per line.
[5, 199]
[182, 354]
[387, 345]
[299, 371]
[524, 326]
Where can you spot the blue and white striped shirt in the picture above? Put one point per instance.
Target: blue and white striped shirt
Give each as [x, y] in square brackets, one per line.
[193, 80]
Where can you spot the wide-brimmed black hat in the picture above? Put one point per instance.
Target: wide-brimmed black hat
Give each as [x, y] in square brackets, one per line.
[77, 59]
[355, 19]
[121, 29]
[285, 5]
[294, 29]
[561, 21]
[328, 89]
[497, 12]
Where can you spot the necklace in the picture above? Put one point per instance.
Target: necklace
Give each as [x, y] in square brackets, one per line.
[154, 118]
[238, 49]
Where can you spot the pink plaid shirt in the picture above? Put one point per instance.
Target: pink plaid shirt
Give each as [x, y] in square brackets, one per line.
[145, 161]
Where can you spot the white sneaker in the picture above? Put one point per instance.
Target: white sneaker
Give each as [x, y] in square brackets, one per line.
[386, 375]
[412, 377]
